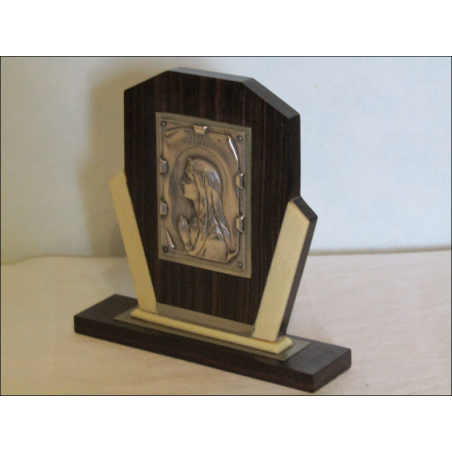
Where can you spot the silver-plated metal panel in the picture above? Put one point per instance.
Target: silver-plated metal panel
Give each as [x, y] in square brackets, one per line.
[298, 344]
[204, 202]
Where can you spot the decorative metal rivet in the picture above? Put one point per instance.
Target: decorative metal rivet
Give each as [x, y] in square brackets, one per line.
[240, 223]
[240, 180]
[239, 138]
[201, 130]
[165, 249]
[163, 166]
[240, 265]
[163, 123]
[163, 208]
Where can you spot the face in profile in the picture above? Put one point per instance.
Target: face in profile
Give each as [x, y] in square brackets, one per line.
[205, 232]
[189, 186]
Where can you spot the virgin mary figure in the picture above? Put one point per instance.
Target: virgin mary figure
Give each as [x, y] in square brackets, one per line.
[205, 232]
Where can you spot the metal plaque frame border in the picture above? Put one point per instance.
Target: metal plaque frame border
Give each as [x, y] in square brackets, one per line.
[192, 261]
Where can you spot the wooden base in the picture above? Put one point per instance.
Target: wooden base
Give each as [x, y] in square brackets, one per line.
[308, 370]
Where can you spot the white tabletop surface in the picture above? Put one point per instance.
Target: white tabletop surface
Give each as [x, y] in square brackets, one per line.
[392, 310]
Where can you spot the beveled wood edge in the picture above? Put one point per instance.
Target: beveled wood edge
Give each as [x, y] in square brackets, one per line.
[250, 83]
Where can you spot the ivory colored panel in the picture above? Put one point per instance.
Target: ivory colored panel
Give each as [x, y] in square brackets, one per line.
[132, 243]
[282, 272]
[271, 347]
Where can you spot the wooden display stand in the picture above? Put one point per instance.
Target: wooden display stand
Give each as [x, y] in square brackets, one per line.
[308, 370]
[215, 231]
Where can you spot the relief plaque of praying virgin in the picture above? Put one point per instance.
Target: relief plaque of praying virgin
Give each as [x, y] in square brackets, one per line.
[203, 194]
[215, 231]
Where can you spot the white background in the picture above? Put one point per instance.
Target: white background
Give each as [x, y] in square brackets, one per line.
[320, 28]
[375, 133]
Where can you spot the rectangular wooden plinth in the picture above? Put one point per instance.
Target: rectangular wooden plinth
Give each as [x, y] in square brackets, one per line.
[308, 370]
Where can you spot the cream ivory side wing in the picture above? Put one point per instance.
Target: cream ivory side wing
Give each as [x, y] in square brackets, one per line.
[132, 243]
[282, 273]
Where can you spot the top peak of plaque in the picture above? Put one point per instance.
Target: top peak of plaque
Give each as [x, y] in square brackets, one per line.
[252, 84]
[219, 75]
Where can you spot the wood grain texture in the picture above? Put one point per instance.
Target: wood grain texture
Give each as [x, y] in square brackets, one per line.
[276, 180]
[308, 370]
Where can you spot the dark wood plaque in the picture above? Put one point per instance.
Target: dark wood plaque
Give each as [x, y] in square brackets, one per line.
[275, 128]
[212, 168]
